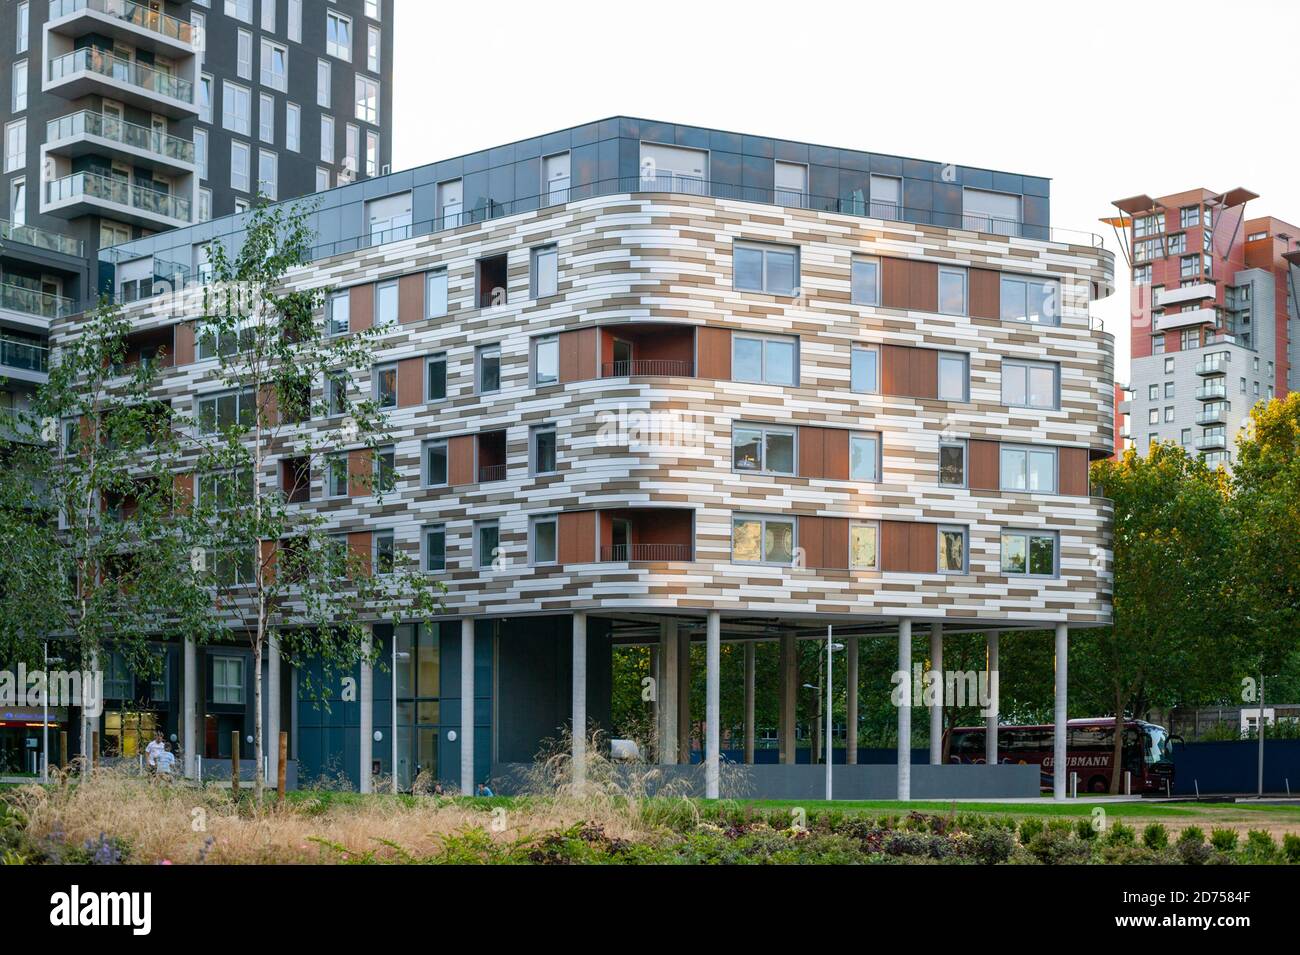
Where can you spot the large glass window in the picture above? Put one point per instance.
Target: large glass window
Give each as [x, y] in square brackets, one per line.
[952, 291]
[953, 376]
[545, 271]
[435, 378]
[864, 457]
[338, 36]
[865, 281]
[386, 385]
[240, 166]
[275, 66]
[1032, 553]
[436, 299]
[367, 100]
[864, 369]
[952, 550]
[762, 540]
[765, 268]
[435, 463]
[386, 303]
[435, 547]
[1037, 301]
[756, 448]
[488, 359]
[952, 464]
[228, 680]
[769, 359]
[546, 360]
[864, 540]
[1028, 384]
[231, 408]
[340, 305]
[543, 449]
[1028, 469]
[544, 531]
[487, 541]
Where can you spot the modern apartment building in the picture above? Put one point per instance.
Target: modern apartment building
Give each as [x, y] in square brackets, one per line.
[123, 119]
[658, 385]
[1215, 320]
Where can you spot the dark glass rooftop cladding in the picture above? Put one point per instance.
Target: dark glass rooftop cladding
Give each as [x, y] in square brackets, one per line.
[621, 155]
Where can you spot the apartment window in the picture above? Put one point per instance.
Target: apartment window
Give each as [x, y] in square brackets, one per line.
[1142, 275]
[487, 359]
[244, 55]
[487, 542]
[372, 9]
[372, 153]
[327, 139]
[757, 448]
[1153, 392]
[555, 178]
[436, 299]
[367, 100]
[768, 359]
[323, 83]
[20, 86]
[18, 201]
[1028, 469]
[864, 369]
[275, 66]
[240, 174]
[542, 452]
[236, 107]
[385, 555]
[762, 540]
[242, 205]
[952, 464]
[1153, 417]
[546, 360]
[228, 675]
[953, 376]
[435, 463]
[1185, 438]
[1169, 389]
[15, 145]
[864, 281]
[384, 475]
[764, 268]
[351, 148]
[1169, 366]
[201, 152]
[1158, 344]
[336, 393]
[864, 457]
[322, 179]
[294, 27]
[1148, 226]
[544, 532]
[1176, 244]
[266, 118]
[1037, 301]
[1169, 414]
[340, 305]
[1029, 553]
[952, 291]
[205, 99]
[450, 199]
[338, 36]
[1189, 266]
[435, 378]
[952, 550]
[240, 10]
[386, 386]
[1028, 384]
[23, 28]
[386, 301]
[545, 271]
[886, 197]
[225, 410]
[372, 48]
[435, 547]
[864, 545]
[293, 127]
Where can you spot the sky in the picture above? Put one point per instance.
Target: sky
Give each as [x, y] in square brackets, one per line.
[1106, 99]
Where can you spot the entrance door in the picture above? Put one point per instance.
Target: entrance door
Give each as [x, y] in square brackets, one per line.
[620, 538]
[622, 358]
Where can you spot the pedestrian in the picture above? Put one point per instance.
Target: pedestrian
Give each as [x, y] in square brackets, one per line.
[151, 752]
[485, 790]
[166, 761]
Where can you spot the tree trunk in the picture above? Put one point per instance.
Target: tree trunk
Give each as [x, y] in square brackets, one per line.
[258, 779]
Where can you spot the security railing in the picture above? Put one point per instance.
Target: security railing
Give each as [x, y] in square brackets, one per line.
[1212, 390]
[40, 238]
[16, 298]
[128, 12]
[120, 191]
[91, 60]
[491, 472]
[1212, 365]
[15, 353]
[647, 366]
[618, 553]
[89, 123]
[1214, 414]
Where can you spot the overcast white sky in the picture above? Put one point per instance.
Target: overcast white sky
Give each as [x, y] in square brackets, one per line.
[1108, 99]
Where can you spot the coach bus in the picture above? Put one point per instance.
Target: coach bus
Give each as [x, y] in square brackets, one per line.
[1148, 753]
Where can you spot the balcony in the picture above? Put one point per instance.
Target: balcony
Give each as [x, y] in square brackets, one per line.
[490, 450]
[86, 193]
[89, 133]
[1215, 390]
[1216, 364]
[618, 553]
[24, 360]
[1216, 413]
[1185, 294]
[1215, 441]
[647, 349]
[40, 239]
[29, 303]
[135, 23]
[491, 472]
[637, 367]
[92, 72]
[1187, 318]
[646, 534]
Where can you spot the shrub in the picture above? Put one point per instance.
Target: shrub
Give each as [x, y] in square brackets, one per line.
[1155, 837]
[992, 845]
[1224, 840]
[1084, 829]
[1029, 828]
[1121, 835]
[1052, 847]
[1291, 848]
[1193, 835]
[1260, 846]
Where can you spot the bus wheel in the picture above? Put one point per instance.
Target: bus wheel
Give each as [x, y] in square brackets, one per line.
[1098, 785]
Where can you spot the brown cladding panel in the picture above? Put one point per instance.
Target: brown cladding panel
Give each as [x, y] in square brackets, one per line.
[460, 459]
[836, 460]
[577, 543]
[923, 548]
[359, 550]
[894, 278]
[361, 466]
[183, 343]
[983, 465]
[895, 370]
[361, 307]
[812, 541]
[812, 452]
[410, 382]
[924, 284]
[895, 544]
[578, 354]
[713, 348]
[985, 293]
[1072, 464]
[925, 373]
[835, 555]
[410, 298]
[183, 490]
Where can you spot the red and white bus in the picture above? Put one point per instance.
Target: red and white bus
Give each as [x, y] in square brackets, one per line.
[1148, 753]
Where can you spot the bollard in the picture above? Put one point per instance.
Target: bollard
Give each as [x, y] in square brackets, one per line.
[1128, 783]
[1074, 785]
[282, 761]
[234, 762]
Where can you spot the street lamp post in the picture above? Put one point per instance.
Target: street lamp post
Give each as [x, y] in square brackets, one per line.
[45, 717]
[831, 649]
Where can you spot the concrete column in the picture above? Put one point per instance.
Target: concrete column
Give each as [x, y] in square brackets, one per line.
[905, 710]
[789, 697]
[271, 724]
[751, 665]
[936, 710]
[666, 688]
[654, 678]
[683, 695]
[991, 718]
[467, 694]
[579, 699]
[1060, 776]
[190, 711]
[712, 704]
[851, 701]
[367, 715]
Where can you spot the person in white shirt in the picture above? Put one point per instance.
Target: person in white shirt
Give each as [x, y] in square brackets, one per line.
[166, 761]
[151, 752]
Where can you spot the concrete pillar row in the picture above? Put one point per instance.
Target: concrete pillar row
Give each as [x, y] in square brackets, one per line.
[666, 690]
[189, 715]
[1060, 774]
[751, 665]
[366, 720]
[789, 697]
[991, 717]
[936, 709]
[712, 705]
[905, 710]
[579, 699]
[851, 701]
[467, 693]
[683, 695]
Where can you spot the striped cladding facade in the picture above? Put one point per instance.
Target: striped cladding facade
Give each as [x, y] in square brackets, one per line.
[654, 273]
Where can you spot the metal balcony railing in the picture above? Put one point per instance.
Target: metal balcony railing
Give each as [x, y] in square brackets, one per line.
[1212, 365]
[30, 302]
[89, 123]
[1212, 442]
[15, 353]
[90, 60]
[491, 472]
[1212, 391]
[119, 191]
[128, 12]
[40, 238]
[1214, 414]
[647, 366]
[618, 553]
